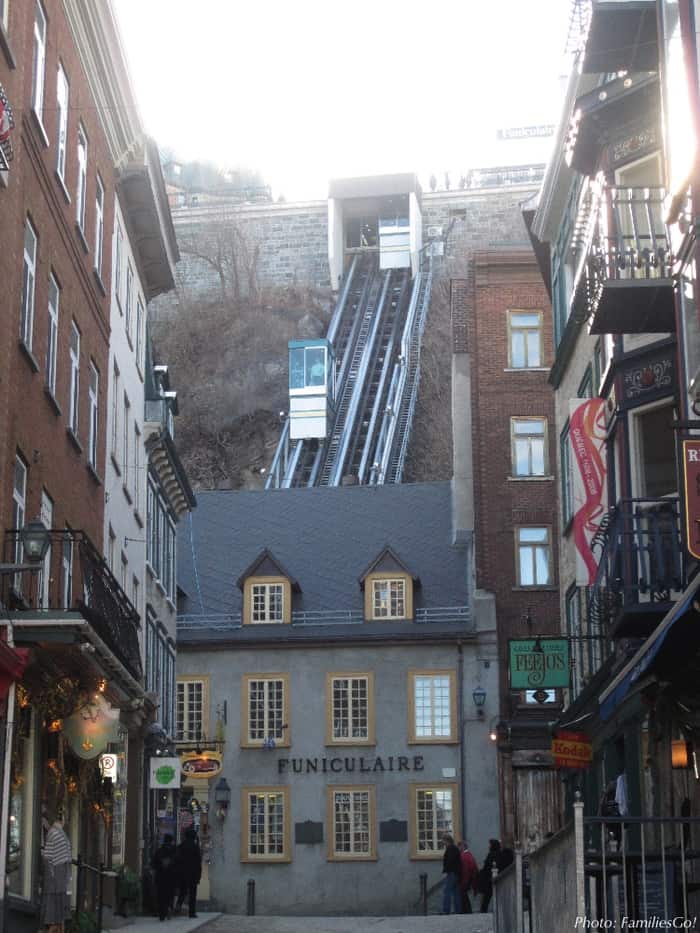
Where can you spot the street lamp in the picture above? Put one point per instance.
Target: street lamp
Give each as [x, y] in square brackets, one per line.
[35, 538]
[479, 697]
[222, 797]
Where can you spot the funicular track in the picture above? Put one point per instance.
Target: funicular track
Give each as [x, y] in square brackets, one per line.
[376, 331]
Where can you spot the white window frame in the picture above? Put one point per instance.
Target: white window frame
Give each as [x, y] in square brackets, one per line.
[62, 104]
[428, 840]
[73, 408]
[19, 507]
[137, 466]
[67, 569]
[359, 817]
[265, 705]
[94, 401]
[129, 299]
[125, 438]
[26, 324]
[267, 851]
[528, 550]
[118, 245]
[46, 516]
[429, 724]
[348, 706]
[383, 608]
[513, 328]
[81, 182]
[139, 332]
[528, 438]
[54, 303]
[115, 410]
[99, 223]
[39, 60]
[111, 550]
[187, 713]
[265, 610]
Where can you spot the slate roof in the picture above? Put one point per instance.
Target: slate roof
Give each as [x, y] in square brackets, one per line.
[325, 537]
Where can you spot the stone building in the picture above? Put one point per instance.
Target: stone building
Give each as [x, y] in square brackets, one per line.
[333, 649]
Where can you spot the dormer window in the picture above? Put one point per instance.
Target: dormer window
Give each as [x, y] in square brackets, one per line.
[389, 599]
[267, 592]
[388, 586]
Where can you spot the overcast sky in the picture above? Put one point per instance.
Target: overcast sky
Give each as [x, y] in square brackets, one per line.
[309, 90]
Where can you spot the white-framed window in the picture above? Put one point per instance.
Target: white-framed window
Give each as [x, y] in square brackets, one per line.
[135, 592]
[81, 185]
[137, 467]
[267, 601]
[118, 247]
[52, 335]
[46, 515]
[190, 710]
[533, 563]
[265, 703]
[351, 698]
[528, 437]
[129, 298]
[74, 378]
[567, 493]
[39, 60]
[151, 530]
[26, 321]
[62, 98]
[389, 599]
[170, 583]
[19, 507]
[93, 395]
[125, 437]
[124, 576]
[525, 350]
[265, 831]
[112, 550]
[352, 822]
[115, 410]
[432, 816]
[99, 223]
[150, 666]
[139, 333]
[67, 569]
[432, 706]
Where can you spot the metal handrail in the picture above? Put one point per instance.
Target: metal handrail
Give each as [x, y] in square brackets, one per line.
[423, 615]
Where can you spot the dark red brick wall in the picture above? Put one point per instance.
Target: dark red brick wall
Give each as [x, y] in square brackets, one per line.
[28, 422]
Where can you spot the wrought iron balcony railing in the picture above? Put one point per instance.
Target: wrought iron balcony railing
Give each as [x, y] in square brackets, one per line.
[629, 265]
[74, 576]
[641, 564]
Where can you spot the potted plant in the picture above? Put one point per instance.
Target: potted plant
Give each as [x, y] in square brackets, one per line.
[128, 891]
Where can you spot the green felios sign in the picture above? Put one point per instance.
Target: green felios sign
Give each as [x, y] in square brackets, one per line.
[539, 662]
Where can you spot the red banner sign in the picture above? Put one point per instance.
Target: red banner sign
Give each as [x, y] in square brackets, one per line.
[691, 473]
[572, 750]
[587, 436]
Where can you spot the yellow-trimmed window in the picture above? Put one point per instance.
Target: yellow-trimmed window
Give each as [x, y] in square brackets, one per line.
[434, 811]
[265, 831]
[191, 708]
[350, 709]
[267, 600]
[265, 706]
[388, 596]
[432, 705]
[351, 820]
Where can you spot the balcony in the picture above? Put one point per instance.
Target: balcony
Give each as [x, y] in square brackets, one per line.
[621, 36]
[75, 578]
[641, 570]
[629, 265]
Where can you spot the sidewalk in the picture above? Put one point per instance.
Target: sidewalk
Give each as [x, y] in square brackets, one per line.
[174, 925]
[459, 923]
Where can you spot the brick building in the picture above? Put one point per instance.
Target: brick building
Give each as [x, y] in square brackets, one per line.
[502, 340]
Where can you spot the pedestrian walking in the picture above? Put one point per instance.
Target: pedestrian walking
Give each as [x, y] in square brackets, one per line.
[55, 896]
[485, 883]
[189, 869]
[163, 864]
[468, 876]
[451, 867]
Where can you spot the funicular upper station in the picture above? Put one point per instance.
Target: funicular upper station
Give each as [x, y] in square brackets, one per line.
[352, 393]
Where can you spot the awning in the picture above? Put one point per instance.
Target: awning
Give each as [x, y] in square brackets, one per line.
[623, 682]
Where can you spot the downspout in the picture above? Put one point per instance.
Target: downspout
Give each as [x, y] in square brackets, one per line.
[461, 724]
[5, 806]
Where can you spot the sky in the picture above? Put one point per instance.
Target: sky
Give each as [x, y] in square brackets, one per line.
[310, 90]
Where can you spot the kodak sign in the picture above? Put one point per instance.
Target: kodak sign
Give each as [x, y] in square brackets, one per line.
[691, 474]
[571, 750]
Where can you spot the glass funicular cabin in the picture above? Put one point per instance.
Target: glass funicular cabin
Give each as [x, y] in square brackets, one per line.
[311, 388]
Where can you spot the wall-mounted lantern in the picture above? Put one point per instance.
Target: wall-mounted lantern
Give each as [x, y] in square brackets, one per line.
[222, 798]
[479, 697]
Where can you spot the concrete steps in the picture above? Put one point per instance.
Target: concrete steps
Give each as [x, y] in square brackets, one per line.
[474, 923]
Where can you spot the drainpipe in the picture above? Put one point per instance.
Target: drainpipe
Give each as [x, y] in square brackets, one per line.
[460, 725]
[5, 805]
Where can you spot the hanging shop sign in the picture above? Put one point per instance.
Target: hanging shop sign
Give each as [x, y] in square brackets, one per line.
[7, 124]
[587, 439]
[571, 750]
[164, 773]
[201, 764]
[539, 663]
[691, 475]
[108, 766]
[91, 728]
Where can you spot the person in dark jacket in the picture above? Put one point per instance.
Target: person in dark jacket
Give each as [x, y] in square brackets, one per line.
[163, 864]
[485, 883]
[189, 867]
[451, 867]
